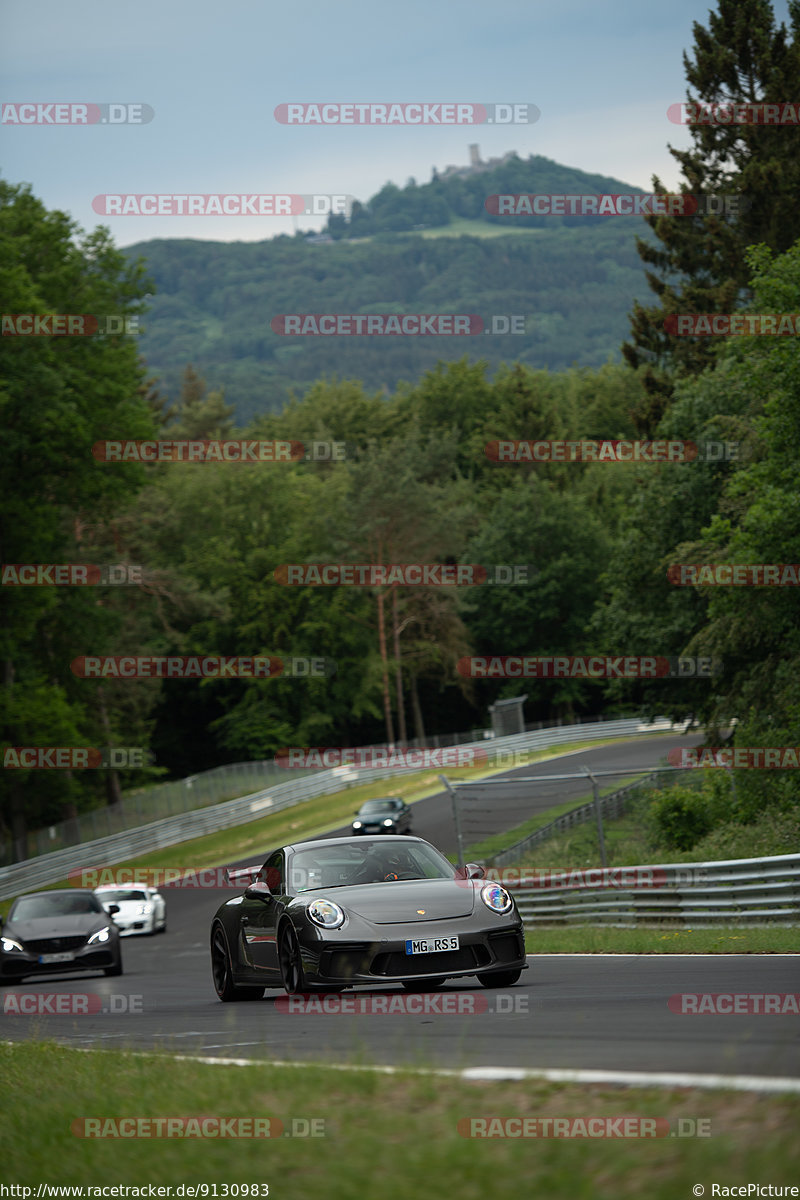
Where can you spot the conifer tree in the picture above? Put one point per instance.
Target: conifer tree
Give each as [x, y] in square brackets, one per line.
[742, 57]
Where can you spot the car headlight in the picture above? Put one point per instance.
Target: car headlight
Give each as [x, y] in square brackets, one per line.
[326, 913]
[388, 821]
[496, 898]
[356, 824]
[10, 946]
[102, 935]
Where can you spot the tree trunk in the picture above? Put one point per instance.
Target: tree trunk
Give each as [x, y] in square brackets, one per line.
[398, 674]
[419, 728]
[387, 699]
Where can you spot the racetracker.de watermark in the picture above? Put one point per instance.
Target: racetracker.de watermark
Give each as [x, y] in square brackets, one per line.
[196, 879]
[372, 112]
[195, 450]
[591, 666]
[390, 1004]
[75, 758]
[734, 112]
[737, 758]
[70, 1004]
[734, 574]
[609, 450]
[69, 574]
[619, 878]
[732, 324]
[614, 204]
[68, 324]
[326, 757]
[404, 574]
[728, 1004]
[584, 1127]
[74, 112]
[197, 1127]
[221, 204]
[200, 666]
[395, 324]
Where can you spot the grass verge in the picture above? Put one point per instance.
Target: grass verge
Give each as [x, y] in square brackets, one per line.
[389, 1136]
[662, 939]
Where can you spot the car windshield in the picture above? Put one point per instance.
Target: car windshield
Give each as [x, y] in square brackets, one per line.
[54, 904]
[366, 861]
[372, 806]
[114, 897]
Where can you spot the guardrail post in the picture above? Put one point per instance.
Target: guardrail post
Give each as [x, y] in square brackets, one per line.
[599, 818]
[446, 783]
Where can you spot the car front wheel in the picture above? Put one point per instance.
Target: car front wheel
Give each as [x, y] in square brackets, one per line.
[292, 975]
[499, 979]
[423, 985]
[224, 986]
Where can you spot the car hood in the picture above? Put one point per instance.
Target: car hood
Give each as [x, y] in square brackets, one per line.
[46, 927]
[127, 908]
[400, 903]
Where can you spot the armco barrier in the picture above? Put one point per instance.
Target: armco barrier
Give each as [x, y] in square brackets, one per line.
[739, 891]
[34, 873]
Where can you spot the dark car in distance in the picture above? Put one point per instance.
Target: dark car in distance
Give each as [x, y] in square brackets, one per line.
[383, 814]
[66, 930]
[341, 912]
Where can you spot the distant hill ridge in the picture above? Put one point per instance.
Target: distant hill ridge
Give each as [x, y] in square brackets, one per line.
[572, 279]
[461, 192]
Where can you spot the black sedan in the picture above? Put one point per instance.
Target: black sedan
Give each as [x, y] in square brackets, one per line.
[335, 913]
[58, 931]
[384, 814]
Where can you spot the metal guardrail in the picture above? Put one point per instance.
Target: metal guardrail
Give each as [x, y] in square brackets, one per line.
[144, 805]
[739, 891]
[49, 868]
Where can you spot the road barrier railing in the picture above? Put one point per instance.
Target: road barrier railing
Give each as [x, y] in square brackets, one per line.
[33, 873]
[739, 891]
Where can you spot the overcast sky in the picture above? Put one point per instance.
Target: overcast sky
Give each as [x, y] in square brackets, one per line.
[602, 75]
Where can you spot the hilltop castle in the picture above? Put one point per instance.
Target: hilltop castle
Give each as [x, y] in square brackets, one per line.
[476, 164]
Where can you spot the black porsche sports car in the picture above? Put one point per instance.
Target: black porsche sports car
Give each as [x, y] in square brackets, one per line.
[330, 914]
[59, 931]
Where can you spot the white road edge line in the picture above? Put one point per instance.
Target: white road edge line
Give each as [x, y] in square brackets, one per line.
[642, 1079]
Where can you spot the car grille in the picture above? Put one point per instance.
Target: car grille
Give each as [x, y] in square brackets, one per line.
[54, 945]
[507, 947]
[431, 964]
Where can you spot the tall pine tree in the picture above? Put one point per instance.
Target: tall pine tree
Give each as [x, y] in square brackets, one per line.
[742, 57]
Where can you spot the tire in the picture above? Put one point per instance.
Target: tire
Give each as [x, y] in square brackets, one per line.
[222, 974]
[290, 962]
[116, 969]
[423, 985]
[500, 978]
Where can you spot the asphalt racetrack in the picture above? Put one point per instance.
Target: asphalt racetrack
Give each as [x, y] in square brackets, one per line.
[593, 1012]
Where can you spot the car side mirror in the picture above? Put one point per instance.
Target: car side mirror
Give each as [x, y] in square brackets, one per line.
[475, 871]
[112, 910]
[258, 890]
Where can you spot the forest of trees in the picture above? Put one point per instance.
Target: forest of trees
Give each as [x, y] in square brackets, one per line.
[415, 486]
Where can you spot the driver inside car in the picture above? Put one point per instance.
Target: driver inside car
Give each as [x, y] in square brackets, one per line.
[385, 864]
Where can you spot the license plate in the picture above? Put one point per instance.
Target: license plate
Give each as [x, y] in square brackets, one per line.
[65, 956]
[430, 945]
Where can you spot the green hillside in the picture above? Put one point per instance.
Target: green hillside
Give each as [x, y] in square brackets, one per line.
[572, 279]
